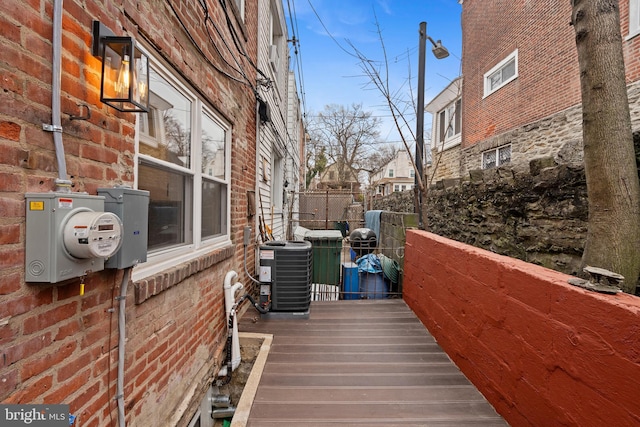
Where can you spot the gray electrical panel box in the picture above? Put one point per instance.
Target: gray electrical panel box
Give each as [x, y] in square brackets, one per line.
[67, 235]
[132, 207]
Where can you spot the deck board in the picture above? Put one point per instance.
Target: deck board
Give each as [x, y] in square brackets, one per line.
[364, 362]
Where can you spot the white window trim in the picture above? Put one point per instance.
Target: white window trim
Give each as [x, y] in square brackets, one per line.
[170, 257]
[487, 87]
[634, 19]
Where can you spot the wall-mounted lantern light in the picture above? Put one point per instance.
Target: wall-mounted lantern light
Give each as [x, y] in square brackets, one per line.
[124, 82]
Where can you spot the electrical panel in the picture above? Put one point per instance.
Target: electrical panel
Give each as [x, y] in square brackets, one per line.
[132, 207]
[68, 235]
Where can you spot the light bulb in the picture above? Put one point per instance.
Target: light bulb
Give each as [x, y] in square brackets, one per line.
[122, 84]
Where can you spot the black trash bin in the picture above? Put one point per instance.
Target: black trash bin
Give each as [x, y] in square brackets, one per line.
[363, 241]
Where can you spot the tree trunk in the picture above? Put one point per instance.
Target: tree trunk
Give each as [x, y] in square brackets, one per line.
[613, 236]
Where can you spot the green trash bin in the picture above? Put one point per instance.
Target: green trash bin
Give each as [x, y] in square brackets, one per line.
[326, 247]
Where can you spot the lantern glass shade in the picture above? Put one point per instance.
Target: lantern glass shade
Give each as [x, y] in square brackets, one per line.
[125, 75]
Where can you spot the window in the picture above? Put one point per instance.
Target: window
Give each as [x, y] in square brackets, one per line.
[390, 173]
[277, 182]
[183, 161]
[276, 41]
[496, 157]
[412, 173]
[396, 187]
[501, 74]
[634, 17]
[449, 125]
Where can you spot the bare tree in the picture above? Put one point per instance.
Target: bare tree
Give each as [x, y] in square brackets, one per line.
[613, 236]
[348, 135]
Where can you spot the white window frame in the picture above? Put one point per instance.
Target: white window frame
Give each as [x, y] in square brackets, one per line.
[497, 153]
[513, 56]
[634, 18]
[165, 258]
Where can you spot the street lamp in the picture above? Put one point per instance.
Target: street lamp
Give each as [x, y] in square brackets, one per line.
[439, 52]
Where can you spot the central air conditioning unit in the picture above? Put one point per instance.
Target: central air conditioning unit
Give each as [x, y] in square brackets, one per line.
[285, 275]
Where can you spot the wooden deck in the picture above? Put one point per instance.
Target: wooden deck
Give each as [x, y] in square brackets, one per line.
[364, 362]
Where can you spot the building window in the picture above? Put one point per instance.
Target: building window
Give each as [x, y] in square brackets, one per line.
[412, 173]
[496, 157]
[276, 42]
[634, 17]
[396, 187]
[449, 122]
[277, 182]
[183, 160]
[501, 74]
[390, 173]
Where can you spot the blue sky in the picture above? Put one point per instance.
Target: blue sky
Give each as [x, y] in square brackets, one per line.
[332, 76]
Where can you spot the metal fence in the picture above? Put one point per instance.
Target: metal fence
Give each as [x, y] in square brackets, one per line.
[343, 272]
[343, 269]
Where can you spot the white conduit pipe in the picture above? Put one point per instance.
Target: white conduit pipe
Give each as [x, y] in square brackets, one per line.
[229, 301]
[63, 184]
[122, 299]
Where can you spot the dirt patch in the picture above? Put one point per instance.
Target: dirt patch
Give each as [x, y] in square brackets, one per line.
[249, 349]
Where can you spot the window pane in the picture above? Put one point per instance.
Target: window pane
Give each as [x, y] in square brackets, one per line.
[213, 152]
[489, 159]
[169, 206]
[504, 155]
[443, 126]
[214, 209]
[495, 79]
[457, 118]
[166, 133]
[450, 116]
[509, 70]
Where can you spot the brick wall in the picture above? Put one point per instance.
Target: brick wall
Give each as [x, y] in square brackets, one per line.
[547, 64]
[543, 352]
[57, 346]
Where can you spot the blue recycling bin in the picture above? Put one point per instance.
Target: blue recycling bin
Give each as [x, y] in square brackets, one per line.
[373, 286]
[350, 282]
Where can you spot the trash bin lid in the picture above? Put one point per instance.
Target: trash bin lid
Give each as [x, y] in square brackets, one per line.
[323, 234]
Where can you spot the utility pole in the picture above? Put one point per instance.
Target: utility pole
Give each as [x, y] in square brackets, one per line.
[419, 158]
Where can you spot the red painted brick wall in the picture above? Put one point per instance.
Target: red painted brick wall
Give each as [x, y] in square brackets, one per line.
[543, 352]
[548, 80]
[55, 345]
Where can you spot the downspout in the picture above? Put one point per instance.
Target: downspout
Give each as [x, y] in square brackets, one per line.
[63, 184]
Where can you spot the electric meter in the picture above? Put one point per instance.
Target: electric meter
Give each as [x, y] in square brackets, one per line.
[91, 234]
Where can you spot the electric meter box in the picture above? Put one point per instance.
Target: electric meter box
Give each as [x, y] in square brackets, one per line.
[68, 235]
[132, 207]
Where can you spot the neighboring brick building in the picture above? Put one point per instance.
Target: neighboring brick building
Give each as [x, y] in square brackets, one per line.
[195, 151]
[521, 90]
